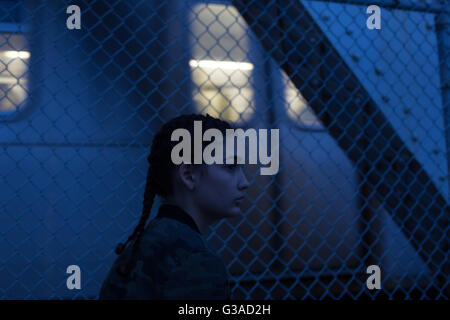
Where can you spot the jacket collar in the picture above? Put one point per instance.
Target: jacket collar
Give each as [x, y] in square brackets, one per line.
[175, 212]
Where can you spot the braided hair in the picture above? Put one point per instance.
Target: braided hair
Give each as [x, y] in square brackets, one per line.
[161, 168]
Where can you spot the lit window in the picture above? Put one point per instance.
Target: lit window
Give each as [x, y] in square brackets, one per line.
[220, 70]
[14, 60]
[297, 107]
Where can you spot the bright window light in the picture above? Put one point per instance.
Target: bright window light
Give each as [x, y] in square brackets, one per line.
[8, 80]
[14, 66]
[16, 54]
[222, 76]
[226, 65]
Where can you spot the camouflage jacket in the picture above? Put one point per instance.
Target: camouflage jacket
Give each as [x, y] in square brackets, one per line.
[173, 261]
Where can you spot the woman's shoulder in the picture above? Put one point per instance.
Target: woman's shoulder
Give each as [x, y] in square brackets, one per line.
[169, 233]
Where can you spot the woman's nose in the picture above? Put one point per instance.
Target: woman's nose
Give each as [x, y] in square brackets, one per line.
[244, 184]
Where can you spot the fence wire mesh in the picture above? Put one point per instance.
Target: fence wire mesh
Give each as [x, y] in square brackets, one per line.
[363, 116]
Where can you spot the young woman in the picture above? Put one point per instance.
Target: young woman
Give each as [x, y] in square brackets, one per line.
[170, 258]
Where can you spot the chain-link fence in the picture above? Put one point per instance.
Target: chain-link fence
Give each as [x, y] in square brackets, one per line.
[363, 116]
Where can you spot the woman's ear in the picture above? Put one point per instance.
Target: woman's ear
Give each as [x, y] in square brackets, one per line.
[188, 176]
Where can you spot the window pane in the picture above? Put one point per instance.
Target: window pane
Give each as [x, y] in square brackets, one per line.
[297, 107]
[220, 70]
[14, 60]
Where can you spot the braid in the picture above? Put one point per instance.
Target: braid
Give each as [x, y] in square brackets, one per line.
[149, 196]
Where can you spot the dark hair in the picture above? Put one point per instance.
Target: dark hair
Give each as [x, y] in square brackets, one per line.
[161, 167]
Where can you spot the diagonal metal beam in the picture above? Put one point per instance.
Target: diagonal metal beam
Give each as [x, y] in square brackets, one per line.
[289, 33]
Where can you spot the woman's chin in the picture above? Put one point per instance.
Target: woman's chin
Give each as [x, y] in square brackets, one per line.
[236, 211]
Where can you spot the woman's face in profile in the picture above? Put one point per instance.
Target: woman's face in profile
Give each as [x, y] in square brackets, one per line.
[221, 190]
